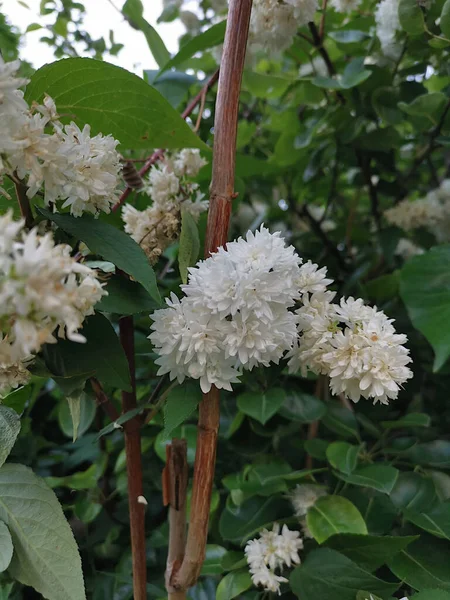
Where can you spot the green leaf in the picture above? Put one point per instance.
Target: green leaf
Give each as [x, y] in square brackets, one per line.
[425, 290]
[85, 407]
[317, 448]
[385, 103]
[188, 432]
[445, 19]
[126, 297]
[45, 552]
[189, 244]
[354, 73]
[369, 551]
[342, 421]
[424, 564]
[413, 491]
[110, 243]
[18, 398]
[343, 456]
[112, 100]
[334, 514]
[432, 454]
[9, 430]
[6, 547]
[436, 521]
[265, 86]
[427, 106]
[101, 354]
[411, 17]
[212, 564]
[180, 404]
[74, 404]
[431, 595]
[238, 523]
[233, 584]
[302, 407]
[133, 11]
[233, 560]
[348, 36]
[408, 421]
[329, 575]
[362, 595]
[208, 39]
[261, 405]
[378, 477]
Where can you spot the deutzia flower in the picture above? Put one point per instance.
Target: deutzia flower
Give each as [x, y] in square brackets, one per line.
[273, 550]
[388, 23]
[43, 292]
[304, 496]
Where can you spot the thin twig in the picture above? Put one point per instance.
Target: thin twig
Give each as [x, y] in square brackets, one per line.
[103, 401]
[24, 203]
[134, 468]
[149, 416]
[222, 194]
[318, 43]
[200, 112]
[322, 20]
[364, 165]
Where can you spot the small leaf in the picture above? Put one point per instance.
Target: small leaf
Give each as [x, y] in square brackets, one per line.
[408, 421]
[261, 405]
[110, 243]
[413, 491]
[45, 552]
[411, 17]
[84, 409]
[343, 456]
[133, 10]
[233, 584]
[74, 404]
[378, 477]
[385, 103]
[189, 244]
[180, 404]
[6, 547]
[125, 297]
[334, 514]
[9, 430]
[445, 19]
[207, 39]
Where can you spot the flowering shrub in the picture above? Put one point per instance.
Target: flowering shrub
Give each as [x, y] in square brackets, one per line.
[224, 362]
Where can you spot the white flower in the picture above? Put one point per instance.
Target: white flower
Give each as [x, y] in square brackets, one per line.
[407, 249]
[43, 291]
[273, 550]
[388, 23]
[163, 187]
[304, 496]
[345, 6]
[188, 162]
[312, 279]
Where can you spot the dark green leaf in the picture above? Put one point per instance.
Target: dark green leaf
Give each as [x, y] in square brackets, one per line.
[126, 297]
[110, 243]
[261, 405]
[180, 404]
[436, 521]
[6, 547]
[408, 421]
[413, 491]
[427, 107]
[411, 17]
[302, 407]
[379, 477]
[445, 19]
[342, 421]
[213, 560]
[432, 454]
[112, 100]
[343, 456]
[233, 584]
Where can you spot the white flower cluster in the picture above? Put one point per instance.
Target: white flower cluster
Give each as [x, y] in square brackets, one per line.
[236, 315]
[355, 345]
[274, 23]
[69, 164]
[431, 212]
[345, 6]
[388, 23]
[43, 292]
[271, 552]
[171, 191]
[407, 249]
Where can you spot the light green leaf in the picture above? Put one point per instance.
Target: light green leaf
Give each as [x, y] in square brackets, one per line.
[369, 551]
[445, 19]
[342, 421]
[133, 11]
[112, 100]
[408, 421]
[379, 477]
[180, 404]
[425, 290]
[427, 106]
[329, 575]
[125, 297]
[84, 413]
[6, 547]
[233, 584]
[265, 86]
[9, 430]
[334, 514]
[343, 456]
[189, 244]
[110, 243]
[411, 17]
[45, 552]
[207, 39]
[424, 564]
[74, 404]
[261, 405]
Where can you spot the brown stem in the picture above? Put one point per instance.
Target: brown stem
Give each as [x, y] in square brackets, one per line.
[103, 401]
[134, 468]
[24, 203]
[175, 481]
[222, 194]
[156, 156]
